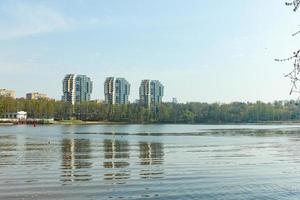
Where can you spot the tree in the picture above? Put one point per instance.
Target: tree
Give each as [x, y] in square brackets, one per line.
[294, 3]
[294, 75]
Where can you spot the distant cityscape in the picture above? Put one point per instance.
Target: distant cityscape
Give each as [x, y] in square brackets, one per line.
[77, 107]
[78, 88]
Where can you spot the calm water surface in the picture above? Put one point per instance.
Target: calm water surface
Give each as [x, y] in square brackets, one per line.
[150, 161]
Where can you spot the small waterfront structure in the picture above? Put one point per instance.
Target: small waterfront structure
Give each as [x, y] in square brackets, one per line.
[21, 115]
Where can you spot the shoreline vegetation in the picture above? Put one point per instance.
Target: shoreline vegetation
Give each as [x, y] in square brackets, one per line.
[88, 113]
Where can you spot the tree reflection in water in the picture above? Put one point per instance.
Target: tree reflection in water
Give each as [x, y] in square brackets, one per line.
[76, 160]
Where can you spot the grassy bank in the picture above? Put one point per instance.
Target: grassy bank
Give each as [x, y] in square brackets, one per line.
[80, 122]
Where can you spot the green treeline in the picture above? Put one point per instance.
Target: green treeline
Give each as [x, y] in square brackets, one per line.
[236, 112]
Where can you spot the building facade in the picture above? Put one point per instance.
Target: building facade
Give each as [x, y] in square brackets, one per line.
[145, 93]
[77, 88]
[109, 90]
[174, 100]
[8, 93]
[21, 115]
[151, 93]
[157, 92]
[36, 96]
[116, 90]
[69, 87]
[84, 88]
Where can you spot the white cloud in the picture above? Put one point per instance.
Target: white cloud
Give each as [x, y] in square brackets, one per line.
[19, 19]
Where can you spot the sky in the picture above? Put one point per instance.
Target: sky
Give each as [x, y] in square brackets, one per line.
[201, 50]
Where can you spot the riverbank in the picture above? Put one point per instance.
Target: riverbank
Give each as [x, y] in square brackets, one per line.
[6, 124]
[80, 122]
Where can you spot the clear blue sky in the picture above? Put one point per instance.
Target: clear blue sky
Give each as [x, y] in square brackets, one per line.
[201, 50]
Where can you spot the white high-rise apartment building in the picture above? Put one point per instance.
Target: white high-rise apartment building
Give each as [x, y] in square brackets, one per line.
[151, 93]
[116, 90]
[69, 88]
[77, 88]
[145, 93]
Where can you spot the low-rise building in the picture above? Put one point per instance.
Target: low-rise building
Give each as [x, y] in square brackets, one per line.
[36, 96]
[21, 115]
[174, 100]
[97, 101]
[8, 93]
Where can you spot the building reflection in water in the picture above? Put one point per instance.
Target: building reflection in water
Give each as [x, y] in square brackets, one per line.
[116, 155]
[151, 160]
[76, 160]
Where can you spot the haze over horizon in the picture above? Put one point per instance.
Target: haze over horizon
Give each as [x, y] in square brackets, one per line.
[199, 55]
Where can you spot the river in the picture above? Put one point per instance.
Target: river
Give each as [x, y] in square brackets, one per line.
[150, 162]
